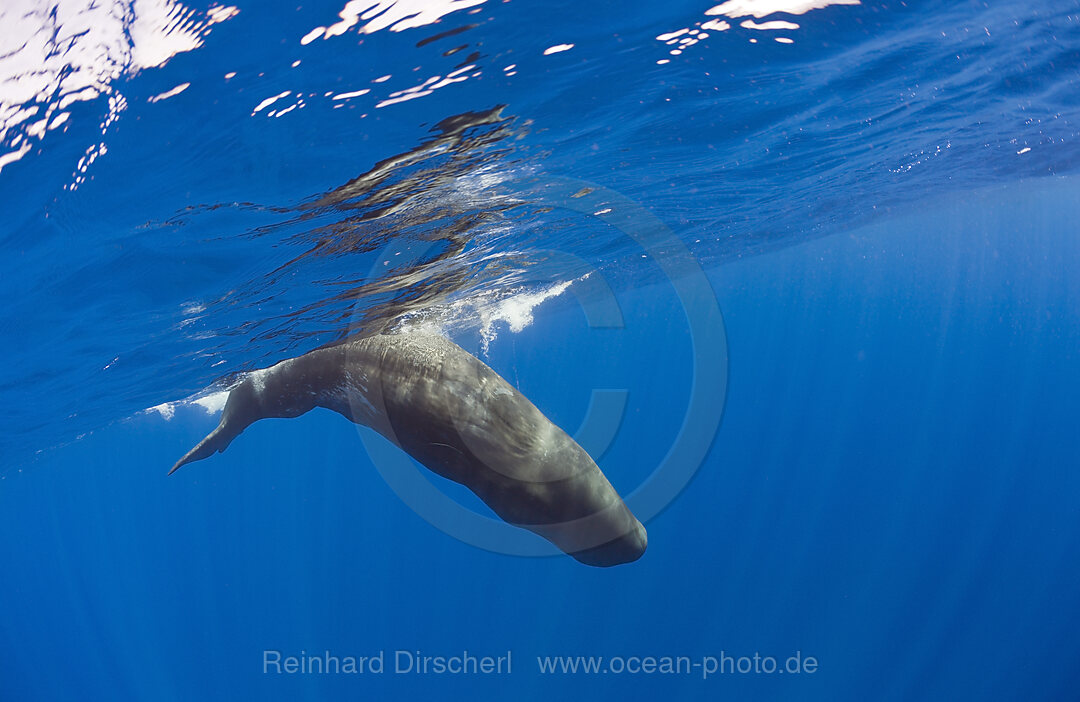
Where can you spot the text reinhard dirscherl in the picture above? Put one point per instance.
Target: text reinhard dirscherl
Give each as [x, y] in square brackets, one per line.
[400, 662]
[407, 662]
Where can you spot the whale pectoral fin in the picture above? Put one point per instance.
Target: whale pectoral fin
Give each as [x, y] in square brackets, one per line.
[215, 441]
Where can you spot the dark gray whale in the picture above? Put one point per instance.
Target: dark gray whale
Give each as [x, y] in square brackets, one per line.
[460, 419]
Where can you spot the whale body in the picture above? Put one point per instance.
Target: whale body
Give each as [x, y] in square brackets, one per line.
[460, 419]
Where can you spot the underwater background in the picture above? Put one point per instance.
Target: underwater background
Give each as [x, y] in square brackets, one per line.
[879, 198]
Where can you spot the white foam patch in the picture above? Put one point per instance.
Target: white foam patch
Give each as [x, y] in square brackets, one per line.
[13, 156]
[484, 311]
[395, 15]
[355, 93]
[210, 401]
[54, 54]
[214, 402]
[169, 93]
[766, 26]
[220, 13]
[270, 101]
[717, 25]
[517, 311]
[672, 35]
[557, 49]
[762, 8]
[426, 88]
[689, 36]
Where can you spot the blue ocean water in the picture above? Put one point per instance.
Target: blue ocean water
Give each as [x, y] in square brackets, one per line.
[880, 196]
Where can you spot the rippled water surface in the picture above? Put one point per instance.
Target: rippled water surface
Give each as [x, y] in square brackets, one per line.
[881, 193]
[192, 191]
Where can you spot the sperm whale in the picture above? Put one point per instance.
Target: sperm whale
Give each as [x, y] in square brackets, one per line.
[461, 420]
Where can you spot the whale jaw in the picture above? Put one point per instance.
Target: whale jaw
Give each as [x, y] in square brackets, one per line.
[241, 410]
[215, 442]
[626, 549]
